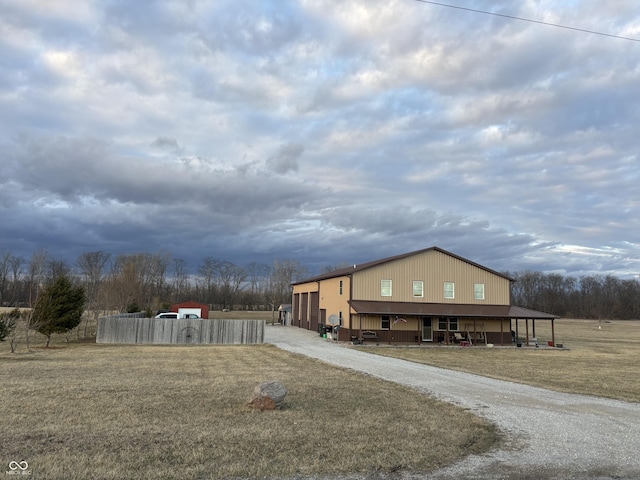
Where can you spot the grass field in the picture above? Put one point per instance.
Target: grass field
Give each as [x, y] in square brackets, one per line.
[601, 358]
[82, 410]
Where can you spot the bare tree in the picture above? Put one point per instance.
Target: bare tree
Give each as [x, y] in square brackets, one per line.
[180, 279]
[16, 272]
[331, 268]
[629, 293]
[36, 274]
[207, 279]
[36, 280]
[256, 276]
[124, 285]
[57, 268]
[229, 279]
[91, 266]
[159, 265]
[5, 269]
[21, 316]
[133, 280]
[282, 275]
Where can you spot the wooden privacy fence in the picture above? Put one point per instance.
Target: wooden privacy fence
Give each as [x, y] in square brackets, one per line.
[183, 331]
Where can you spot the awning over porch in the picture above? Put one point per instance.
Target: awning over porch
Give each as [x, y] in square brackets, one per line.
[368, 307]
[510, 312]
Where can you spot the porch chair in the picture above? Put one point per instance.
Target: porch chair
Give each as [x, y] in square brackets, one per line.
[458, 337]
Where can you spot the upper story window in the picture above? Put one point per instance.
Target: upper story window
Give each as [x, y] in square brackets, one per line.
[418, 288]
[478, 291]
[385, 288]
[340, 287]
[449, 291]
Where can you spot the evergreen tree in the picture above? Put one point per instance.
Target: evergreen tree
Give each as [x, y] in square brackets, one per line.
[8, 323]
[59, 308]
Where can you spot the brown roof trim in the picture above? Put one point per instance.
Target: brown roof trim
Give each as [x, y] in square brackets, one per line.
[341, 272]
[446, 310]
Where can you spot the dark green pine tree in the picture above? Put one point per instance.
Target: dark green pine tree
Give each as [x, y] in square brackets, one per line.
[8, 323]
[59, 308]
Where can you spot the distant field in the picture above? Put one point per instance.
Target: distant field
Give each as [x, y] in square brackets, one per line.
[138, 412]
[602, 358]
[242, 314]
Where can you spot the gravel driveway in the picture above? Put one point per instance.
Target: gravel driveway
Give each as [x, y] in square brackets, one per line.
[550, 435]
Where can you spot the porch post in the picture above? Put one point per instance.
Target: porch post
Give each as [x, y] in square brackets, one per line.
[501, 332]
[533, 326]
[526, 324]
[447, 330]
[475, 332]
[553, 333]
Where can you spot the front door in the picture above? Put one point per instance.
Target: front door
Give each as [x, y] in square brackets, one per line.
[427, 332]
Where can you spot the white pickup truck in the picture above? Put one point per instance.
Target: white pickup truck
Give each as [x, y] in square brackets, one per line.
[176, 315]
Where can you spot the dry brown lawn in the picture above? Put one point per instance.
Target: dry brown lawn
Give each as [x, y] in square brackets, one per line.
[82, 411]
[601, 358]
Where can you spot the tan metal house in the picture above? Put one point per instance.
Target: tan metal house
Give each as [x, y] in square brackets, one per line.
[426, 296]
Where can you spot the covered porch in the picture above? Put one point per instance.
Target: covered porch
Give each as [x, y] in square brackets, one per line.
[409, 322]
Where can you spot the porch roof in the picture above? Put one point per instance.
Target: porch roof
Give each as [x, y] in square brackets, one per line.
[447, 310]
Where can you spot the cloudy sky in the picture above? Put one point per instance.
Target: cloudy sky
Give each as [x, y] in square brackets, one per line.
[325, 131]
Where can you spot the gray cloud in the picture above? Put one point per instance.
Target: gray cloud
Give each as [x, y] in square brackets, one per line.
[167, 143]
[329, 131]
[285, 159]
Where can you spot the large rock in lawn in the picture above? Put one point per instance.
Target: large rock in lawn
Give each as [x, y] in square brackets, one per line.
[268, 396]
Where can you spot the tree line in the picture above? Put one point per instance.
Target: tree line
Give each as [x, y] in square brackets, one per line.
[151, 282]
[592, 296]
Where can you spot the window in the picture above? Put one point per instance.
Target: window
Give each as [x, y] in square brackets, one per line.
[385, 288]
[340, 318]
[340, 287]
[442, 323]
[418, 288]
[446, 323]
[448, 290]
[386, 322]
[478, 291]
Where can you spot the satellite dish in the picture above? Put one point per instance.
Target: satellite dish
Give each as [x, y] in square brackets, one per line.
[334, 319]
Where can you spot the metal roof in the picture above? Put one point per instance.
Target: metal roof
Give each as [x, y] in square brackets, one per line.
[341, 272]
[446, 310]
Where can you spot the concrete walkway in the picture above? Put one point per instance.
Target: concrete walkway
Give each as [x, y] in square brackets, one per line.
[550, 435]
